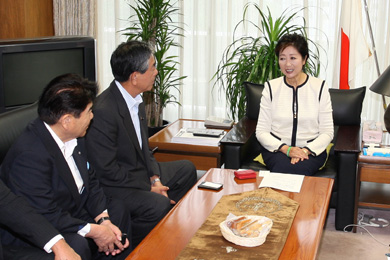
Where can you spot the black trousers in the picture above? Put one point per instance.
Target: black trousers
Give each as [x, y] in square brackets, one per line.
[148, 208]
[119, 216]
[279, 162]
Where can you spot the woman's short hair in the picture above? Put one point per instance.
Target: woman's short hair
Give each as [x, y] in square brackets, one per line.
[65, 94]
[129, 57]
[297, 41]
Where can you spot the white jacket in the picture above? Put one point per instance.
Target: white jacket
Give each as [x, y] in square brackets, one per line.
[313, 126]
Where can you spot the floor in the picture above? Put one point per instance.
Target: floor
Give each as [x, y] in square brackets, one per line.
[366, 244]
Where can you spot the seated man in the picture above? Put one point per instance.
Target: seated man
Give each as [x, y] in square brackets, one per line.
[48, 166]
[118, 147]
[19, 217]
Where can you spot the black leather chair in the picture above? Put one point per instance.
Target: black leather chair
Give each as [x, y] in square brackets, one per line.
[240, 146]
[12, 124]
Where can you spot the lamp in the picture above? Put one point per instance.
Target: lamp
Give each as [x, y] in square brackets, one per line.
[382, 86]
[387, 119]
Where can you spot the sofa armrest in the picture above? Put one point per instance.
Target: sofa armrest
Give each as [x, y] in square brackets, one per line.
[347, 149]
[235, 141]
[348, 139]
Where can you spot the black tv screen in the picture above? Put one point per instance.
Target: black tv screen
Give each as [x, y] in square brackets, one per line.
[26, 66]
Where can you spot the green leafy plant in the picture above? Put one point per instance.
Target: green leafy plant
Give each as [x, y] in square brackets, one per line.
[253, 59]
[152, 23]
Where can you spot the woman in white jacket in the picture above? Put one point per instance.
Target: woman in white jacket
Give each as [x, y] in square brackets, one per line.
[295, 123]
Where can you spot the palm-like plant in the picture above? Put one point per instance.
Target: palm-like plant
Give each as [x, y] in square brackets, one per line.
[253, 59]
[152, 23]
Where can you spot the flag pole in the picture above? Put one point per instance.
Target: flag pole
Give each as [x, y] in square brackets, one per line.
[374, 48]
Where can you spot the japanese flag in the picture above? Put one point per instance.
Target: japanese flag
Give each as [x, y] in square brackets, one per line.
[354, 48]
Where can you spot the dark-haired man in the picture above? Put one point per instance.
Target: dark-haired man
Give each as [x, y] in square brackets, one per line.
[118, 147]
[48, 166]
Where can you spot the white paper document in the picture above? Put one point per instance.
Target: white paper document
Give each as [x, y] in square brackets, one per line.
[262, 173]
[282, 181]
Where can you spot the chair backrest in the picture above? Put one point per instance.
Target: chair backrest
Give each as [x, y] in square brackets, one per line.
[347, 104]
[253, 97]
[12, 124]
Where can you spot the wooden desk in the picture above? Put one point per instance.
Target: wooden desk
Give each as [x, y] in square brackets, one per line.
[176, 229]
[204, 157]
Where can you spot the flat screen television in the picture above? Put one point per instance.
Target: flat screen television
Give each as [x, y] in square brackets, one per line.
[28, 65]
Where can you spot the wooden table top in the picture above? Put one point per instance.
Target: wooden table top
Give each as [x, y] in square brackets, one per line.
[162, 139]
[176, 229]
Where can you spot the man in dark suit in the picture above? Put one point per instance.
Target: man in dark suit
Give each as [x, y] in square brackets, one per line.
[48, 166]
[18, 216]
[117, 143]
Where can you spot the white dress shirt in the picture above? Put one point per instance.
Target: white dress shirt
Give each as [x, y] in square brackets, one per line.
[67, 150]
[132, 105]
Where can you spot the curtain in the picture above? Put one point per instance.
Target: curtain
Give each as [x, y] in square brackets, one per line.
[379, 12]
[208, 29]
[74, 17]
[111, 18]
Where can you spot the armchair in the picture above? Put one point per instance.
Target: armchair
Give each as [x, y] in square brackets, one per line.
[12, 124]
[241, 146]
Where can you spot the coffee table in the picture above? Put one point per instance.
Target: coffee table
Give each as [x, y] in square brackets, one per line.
[203, 156]
[176, 229]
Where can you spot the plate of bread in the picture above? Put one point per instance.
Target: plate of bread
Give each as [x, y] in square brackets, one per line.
[246, 230]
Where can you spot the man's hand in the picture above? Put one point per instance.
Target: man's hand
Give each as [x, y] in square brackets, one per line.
[105, 238]
[157, 187]
[62, 251]
[118, 235]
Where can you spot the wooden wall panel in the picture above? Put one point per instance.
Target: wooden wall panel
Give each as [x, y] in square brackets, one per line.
[26, 18]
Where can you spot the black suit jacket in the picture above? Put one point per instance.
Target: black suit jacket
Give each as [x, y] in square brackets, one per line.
[19, 217]
[113, 146]
[36, 169]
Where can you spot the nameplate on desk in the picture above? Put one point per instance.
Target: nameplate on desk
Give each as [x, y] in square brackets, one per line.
[218, 122]
[187, 136]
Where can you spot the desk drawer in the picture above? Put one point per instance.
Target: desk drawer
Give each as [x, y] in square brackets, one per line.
[374, 173]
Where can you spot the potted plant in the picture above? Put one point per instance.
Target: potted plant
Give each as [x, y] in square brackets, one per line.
[253, 59]
[152, 23]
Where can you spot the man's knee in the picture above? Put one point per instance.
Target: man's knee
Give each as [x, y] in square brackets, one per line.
[161, 207]
[189, 167]
[120, 214]
[189, 170]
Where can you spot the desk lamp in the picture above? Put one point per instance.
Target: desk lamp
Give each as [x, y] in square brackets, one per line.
[382, 86]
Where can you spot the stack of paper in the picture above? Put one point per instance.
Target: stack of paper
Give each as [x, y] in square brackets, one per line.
[186, 136]
[218, 122]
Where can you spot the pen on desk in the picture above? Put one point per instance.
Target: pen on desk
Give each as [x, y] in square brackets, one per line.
[154, 149]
